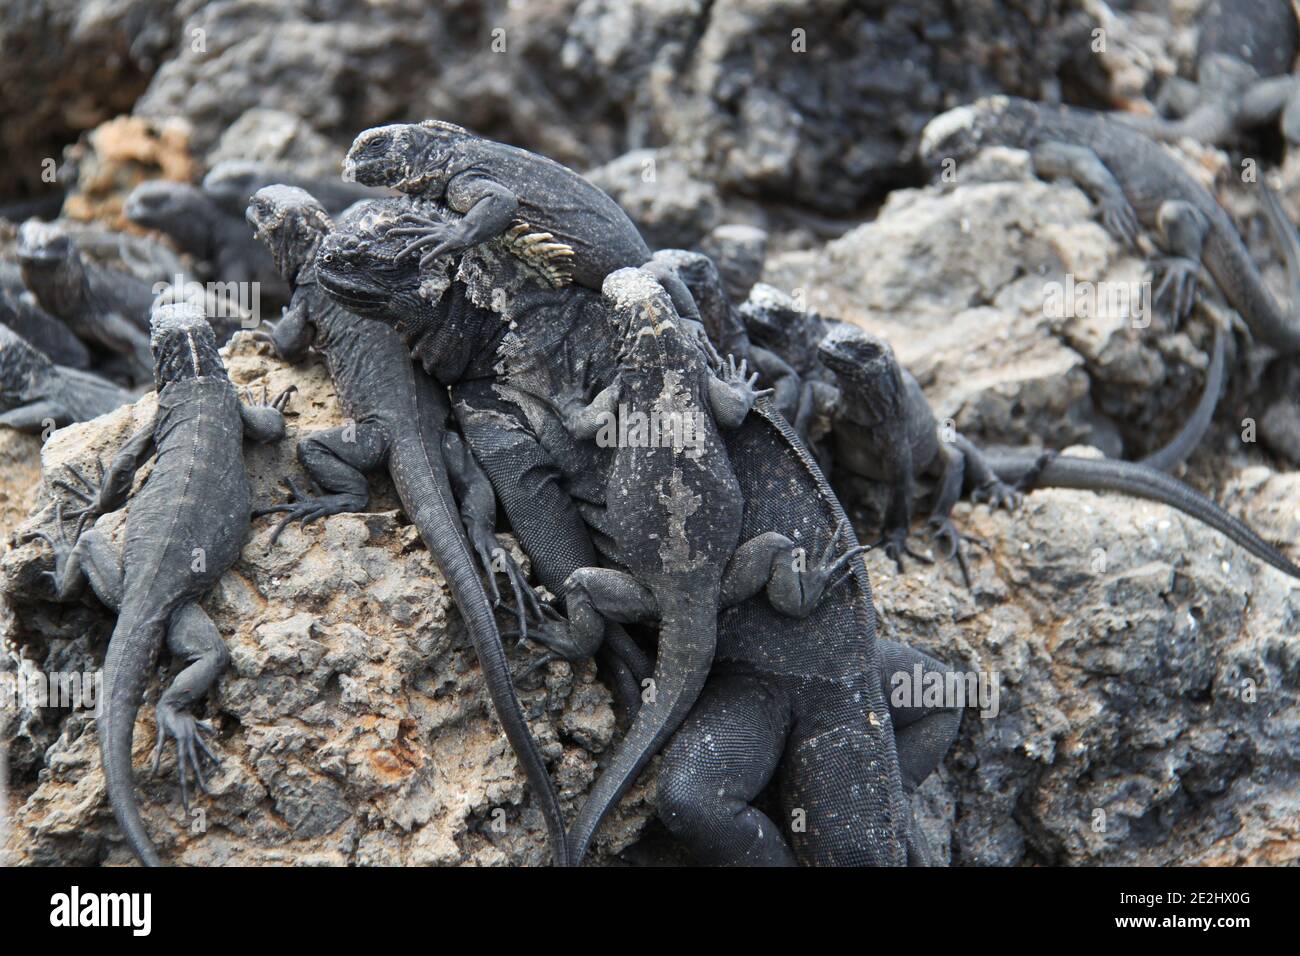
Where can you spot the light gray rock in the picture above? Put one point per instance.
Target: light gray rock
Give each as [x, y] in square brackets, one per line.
[353, 725]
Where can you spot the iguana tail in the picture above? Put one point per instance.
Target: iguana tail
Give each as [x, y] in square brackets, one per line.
[688, 636]
[127, 665]
[426, 495]
[1228, 260]
[1049, 470]
[1189, 437]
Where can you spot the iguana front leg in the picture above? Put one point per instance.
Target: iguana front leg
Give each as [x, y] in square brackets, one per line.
[113, 486]
[264, 420]
[488, 210]
[1083, 166]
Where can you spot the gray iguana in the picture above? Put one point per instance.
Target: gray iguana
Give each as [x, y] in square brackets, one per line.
[21, 313]
[400, 418]
[1244, 53]
[671, 522]
[186, 527]
[105, 307]
[35, 393]
[557, 220]
[886, 432]
[1134, 181]
[796, 703]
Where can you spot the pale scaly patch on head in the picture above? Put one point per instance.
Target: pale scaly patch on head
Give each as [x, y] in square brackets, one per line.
[944, 127]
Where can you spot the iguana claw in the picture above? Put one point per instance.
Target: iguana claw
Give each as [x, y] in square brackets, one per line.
[181, 726]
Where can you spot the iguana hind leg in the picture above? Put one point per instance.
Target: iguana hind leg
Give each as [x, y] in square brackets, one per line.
[193, 638]
[795, 581]
[717, 764]
[338, 460]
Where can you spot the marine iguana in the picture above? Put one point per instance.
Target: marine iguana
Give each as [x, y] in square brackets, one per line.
[186, 527]
[19, 311]
[887, 432]
[827, 739]
[556, 219]
[34, 391]
[671, 521]
[400, 418]
[1134, 181]
[212, 234]
[1244, 53]
[102, 306]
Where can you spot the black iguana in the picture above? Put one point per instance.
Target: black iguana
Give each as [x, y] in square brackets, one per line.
[557, 220]
[186, 527]
[105, 307]
[399, 422]
[209, 232]
[35, 393]
[670, 523]
[886, 432]
[798, 703]
[1134, 181]
[20, 312]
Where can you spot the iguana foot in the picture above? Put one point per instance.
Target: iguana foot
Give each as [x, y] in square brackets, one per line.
[1120, 220]
[998, 494]
[445, 237]
[894, 541]
[181, 726]
[279, 403]
[86, 491]
[305, 507]
[827, 574]
[60, 543]
[495, 558]
[942, 529]
[553, 633]
[1180, 279]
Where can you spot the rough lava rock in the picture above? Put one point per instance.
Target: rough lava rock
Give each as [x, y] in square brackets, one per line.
[353, 724]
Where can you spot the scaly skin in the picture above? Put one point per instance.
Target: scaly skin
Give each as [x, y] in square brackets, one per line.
[1135, 181]
[560, 222]
[401, 424]
[34, 391]
[887, 421]
[104, 307]
[185, 529]
[19, 311]
[805, 696]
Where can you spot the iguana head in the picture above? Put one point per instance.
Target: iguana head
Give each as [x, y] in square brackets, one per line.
[962, 132]
[358, 263]
[291, 223]
[648, 327]
[408, 157]
[22, 365]
[865, 366]
[776, 321]
[183, 343]
[44, 245]
[180, 210]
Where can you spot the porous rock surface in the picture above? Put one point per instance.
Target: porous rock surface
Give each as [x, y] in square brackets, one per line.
[354, 727]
